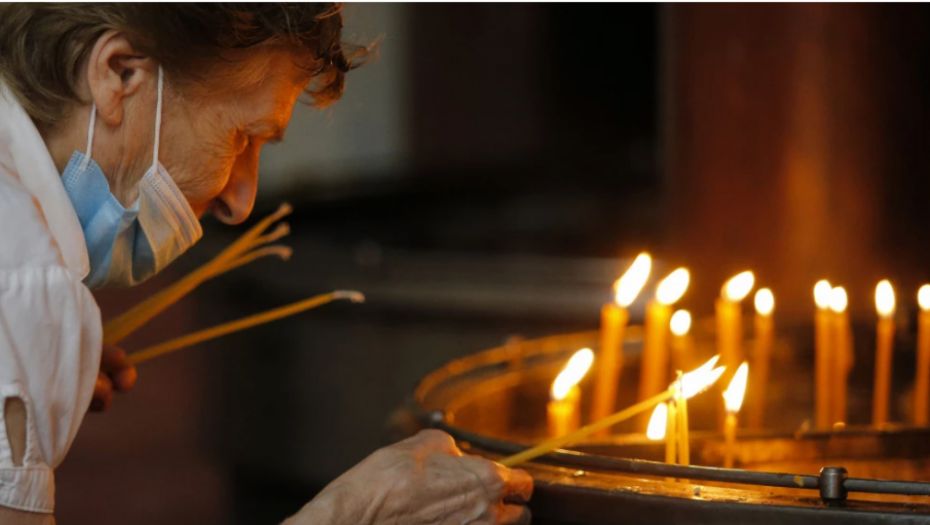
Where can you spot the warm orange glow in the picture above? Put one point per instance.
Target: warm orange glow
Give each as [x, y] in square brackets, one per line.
[673, 287]
[765, 301]
[701, 378]
[574, 371]
[733, 397]
[884, 299]
[822, 291]
[657, 423]
[629, 285]
[680, 323]
[923, 297]
[838, 299]
[739, 287]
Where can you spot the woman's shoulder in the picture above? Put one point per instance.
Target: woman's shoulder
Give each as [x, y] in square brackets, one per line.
[25, 239]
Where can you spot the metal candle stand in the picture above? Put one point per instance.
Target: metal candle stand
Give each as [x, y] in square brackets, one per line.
[446, 397]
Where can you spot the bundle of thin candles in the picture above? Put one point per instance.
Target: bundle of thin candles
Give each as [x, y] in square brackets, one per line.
[249, 247]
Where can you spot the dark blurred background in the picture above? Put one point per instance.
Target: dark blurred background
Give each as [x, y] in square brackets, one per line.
[490, 174]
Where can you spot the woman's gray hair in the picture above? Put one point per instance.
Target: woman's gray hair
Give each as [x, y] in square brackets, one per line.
[42, 46]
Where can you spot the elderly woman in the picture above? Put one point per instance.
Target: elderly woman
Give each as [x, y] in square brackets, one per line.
[121, 125]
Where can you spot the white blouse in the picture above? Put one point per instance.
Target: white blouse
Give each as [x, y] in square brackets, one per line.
[50, 327]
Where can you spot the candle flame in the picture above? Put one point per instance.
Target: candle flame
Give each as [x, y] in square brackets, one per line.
[923, 297]
[838, 299]
[822, 291]
[765, 301]
[680, 323]
[657, 423]
[701, 378]
[884, 299]
[673, 287]
[572, 373]
[629, 285]
[733, 396]
[739, 287]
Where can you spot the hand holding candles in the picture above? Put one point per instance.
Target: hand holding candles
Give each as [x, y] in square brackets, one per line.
[823, 356]
[922, 381]
[654, 361]
[884, 303]
[563, 410]
[614, 317]
[733, 400]
[763, 332]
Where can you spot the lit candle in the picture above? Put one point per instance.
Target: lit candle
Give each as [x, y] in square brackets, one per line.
[763, 332]
[688, 386]
[653, 375]
[562, 410]
[841, 348]
[662, 427]
[692, 384]
[733, 400]
[922, 382]
[730, 319]
[823, 358]
[682, 344]
[614, 317]
[884, 303]
[684, 441]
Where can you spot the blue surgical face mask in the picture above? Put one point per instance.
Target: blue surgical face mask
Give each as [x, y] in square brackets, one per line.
[128, 245]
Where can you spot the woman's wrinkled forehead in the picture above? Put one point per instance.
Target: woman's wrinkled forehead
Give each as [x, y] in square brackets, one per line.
[245, 70]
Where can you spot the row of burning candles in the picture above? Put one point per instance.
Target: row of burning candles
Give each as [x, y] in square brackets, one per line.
[833, 350]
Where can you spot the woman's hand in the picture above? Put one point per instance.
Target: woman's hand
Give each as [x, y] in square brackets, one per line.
[424, 480]
[115, 374]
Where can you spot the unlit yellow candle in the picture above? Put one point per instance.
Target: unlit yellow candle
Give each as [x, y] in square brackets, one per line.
[885, 304]
[922, 381]
[671, 433]
[842, 355]
[823, 356]
[764, 337]
[653, 376]
[614, 317]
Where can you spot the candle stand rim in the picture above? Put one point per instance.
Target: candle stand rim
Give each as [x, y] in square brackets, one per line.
[581, 460]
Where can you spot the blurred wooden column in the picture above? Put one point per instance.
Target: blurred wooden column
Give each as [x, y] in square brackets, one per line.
[775, 146]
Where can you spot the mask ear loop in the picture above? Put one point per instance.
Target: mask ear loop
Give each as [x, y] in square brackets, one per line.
[158, 118]
[90, 136]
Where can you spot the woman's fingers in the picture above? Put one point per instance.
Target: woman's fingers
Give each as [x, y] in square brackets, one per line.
[431, 440]
[113, 363]
[500, 483]
[518, 485]
[103, 393]
[112, 359]
[125, 379]
[513, 515]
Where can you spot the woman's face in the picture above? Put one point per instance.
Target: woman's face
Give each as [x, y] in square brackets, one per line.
[210, 143]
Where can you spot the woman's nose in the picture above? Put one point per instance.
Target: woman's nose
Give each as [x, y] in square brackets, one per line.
[234, 204]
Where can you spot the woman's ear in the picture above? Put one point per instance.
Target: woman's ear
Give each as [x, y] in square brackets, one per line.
[115, 71]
